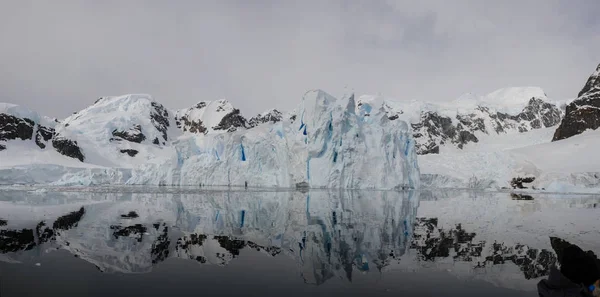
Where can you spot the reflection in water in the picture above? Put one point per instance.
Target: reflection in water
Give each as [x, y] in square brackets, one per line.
[432, 243]
[521, 196]
[329, 234]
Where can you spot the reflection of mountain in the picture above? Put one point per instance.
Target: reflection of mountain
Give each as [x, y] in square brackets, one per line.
[432, 242]
[329, 234]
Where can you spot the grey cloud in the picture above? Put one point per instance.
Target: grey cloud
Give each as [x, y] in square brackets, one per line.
[59, 56]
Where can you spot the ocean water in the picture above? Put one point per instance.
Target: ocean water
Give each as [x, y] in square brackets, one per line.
[161, 241]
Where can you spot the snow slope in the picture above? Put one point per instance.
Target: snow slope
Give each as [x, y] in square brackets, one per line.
[568, 165]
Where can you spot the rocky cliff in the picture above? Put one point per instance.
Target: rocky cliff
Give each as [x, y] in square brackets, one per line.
[584, 112]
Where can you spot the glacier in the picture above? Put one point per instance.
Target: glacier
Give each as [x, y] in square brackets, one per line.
[327, 145]
[134, 140]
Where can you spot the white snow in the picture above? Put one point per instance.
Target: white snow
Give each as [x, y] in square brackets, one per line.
[23, 112]
[512, 100]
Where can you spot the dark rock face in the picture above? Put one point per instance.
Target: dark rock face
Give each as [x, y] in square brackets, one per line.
[584, 112]
[132, 135]
[68, 148]
[43, 134]
[12, 127]
[434, 130]
[232, 121]
[194, 126]
[432, 242]
[185, 124]
[2, 147]
[130, 152]
[160, 119]
[272, 116]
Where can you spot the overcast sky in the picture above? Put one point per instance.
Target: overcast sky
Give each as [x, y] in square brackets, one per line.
[59, 56]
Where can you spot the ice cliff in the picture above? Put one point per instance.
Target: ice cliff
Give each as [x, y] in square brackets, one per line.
[325, 145]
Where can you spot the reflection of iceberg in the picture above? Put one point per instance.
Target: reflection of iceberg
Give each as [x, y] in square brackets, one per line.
[329, 234]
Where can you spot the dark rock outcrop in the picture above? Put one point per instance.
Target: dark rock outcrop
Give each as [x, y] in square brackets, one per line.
[42, 135]
[132, 135]
[68, 148]
[584, 112]
[194, 126]
[12, 127]
[160, 119]
[232, 121]
[185, 124]
[130, 152]
[2, 147]
[272, 116]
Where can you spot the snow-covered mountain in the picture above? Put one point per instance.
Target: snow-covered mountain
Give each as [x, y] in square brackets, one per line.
[505, 161]
[119, 131]
[210, 117]
[495, 141]
[135, 140]
[466, 120]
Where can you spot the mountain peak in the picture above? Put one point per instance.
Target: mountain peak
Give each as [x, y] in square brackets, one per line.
[593, 83]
